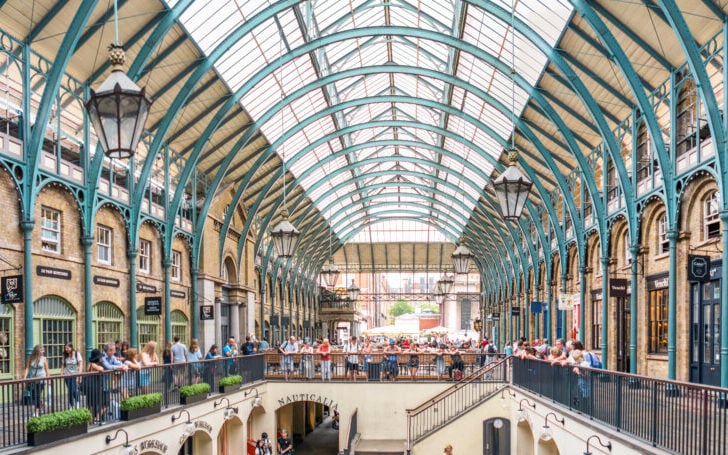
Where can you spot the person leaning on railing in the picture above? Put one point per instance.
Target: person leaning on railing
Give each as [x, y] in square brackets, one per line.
[36, 367]
[149, 360]
[72, 365]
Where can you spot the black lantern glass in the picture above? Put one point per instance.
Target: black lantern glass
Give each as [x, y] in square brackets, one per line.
[512, 188]
[285, 236]
[118, 110]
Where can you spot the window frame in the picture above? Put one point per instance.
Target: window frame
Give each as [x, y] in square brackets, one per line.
[711, 218]
[657, 318]
[145, 256]
[100, 246]
[175, 265]
[51, 223]
[663, 243]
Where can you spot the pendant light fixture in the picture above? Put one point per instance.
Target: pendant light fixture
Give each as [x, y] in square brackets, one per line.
[512, 186]
[285, 236]
[119, 109]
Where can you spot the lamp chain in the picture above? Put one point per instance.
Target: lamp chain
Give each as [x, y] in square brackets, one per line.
[513, 73]
[116, 23]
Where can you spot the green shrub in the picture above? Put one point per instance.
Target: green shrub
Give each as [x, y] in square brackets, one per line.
[231, 380]
[57, 420]
[141, 401]
[194, 389]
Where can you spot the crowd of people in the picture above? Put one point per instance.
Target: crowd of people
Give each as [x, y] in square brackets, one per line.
[396, 355]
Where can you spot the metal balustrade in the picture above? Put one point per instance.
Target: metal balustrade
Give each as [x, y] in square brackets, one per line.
[676, 416]
[21, 399]
[372, 368]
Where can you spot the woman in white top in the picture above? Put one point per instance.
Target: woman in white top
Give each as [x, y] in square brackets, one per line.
[72, 365]
[37, 367]
[149, 360]
[307, 360]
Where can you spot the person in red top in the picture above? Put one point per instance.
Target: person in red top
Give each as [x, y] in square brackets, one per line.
[324, 350]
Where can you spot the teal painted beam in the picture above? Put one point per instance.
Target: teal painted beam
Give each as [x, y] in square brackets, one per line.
[716, 124]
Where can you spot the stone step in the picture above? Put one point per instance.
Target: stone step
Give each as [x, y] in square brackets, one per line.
[380, 447]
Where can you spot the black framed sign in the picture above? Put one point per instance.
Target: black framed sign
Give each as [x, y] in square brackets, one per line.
[153, 305]
[206, 313]
[698, 268]
[12, 289]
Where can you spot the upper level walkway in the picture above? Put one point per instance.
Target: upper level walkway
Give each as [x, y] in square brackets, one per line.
[663, 416]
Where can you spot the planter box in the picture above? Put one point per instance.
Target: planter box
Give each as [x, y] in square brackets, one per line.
[230, 388]
[143, 412]
[193, 398]
[46, 437]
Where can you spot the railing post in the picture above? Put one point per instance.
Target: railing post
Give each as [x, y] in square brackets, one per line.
[409, 432]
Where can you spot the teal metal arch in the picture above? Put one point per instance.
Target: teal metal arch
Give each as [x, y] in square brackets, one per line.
[281, 63]
[718, 130]
[323, 139]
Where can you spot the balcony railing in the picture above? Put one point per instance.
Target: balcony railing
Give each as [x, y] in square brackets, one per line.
[675, 416]
[21, 399]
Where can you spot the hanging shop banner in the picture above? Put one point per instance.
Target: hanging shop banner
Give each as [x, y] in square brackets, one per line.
[536, 307]
[567, 301]
[618, 287]
[494, 316]
[698, 268]
[12, 289]
[153, 306]
[206, 313]
[516, 311]
[575, 315]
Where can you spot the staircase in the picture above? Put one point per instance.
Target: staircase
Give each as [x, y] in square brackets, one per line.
[454, 402]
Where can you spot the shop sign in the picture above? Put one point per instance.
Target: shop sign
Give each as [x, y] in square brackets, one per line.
[146, 288]
[52, 272]
[153, 306]
[618, 287]
[659, 281]
[106, 281]
[206, 313]
[178, 294]
[698, 268]
[597, 295]
[12, 289]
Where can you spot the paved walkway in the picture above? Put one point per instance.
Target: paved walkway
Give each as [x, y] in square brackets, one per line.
[324, 440]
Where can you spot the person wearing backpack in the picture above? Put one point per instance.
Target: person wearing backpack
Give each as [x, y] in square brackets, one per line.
[593, 359]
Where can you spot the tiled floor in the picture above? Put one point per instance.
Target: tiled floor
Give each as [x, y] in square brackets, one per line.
[324, 440]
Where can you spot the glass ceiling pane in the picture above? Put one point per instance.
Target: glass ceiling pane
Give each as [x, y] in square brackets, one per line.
[211, 21]
[399, 231]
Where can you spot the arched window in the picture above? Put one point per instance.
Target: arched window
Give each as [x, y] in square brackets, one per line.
[7, 345]
[54, 324]
[108, 324]
[147, 328]
[179, 326]
[711, 216]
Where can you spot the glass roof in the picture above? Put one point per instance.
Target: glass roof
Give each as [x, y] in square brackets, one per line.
[392, 153]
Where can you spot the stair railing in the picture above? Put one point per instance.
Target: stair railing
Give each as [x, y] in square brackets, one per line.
[455, 401]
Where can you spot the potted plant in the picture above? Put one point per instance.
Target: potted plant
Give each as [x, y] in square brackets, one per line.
[57, 425]
[230, 383]
[141, 406]
[193, 393]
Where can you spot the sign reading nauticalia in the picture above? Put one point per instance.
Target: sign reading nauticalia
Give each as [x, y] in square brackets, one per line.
[307, 397]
